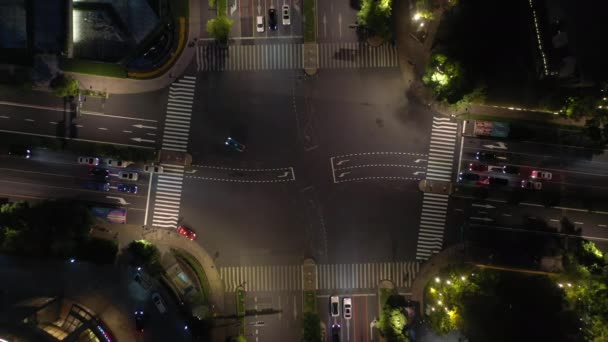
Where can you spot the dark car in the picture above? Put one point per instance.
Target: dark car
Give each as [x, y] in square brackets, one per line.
[139, 321]
[99, 173]
[497, 181]
[467, 176]
[512, 170]
[131, 188]
[335, 332]
[235, 145]
[19, 151]
[272, 19]
[98, 186]
[478, 167]
[485, 156]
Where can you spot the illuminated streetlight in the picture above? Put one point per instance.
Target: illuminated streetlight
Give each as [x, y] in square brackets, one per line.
[437, 279]
[417, 16]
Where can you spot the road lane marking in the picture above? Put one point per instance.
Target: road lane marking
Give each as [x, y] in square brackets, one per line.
[52, 122]
[76, 139]
[29, 120]
[578, 223]
[102, 128]
[531, 204]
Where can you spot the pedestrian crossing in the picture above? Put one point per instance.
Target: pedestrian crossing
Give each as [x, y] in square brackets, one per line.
[214, 57]
[330, 276]
[167, 197]
[432, 224]
[179, 111]
[441, 151]
[357, 55]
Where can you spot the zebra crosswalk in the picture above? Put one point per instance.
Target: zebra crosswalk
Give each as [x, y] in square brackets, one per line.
[167, 197]
[441, 151]
[179, 110]
[330, 276]
[214, 57]
[432, 224]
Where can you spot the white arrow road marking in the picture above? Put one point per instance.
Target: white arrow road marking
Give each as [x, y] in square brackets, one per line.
[419, 160]
[502, 158]
[285, 174]
[507, 215]
[499, 145]
[342, 162]
[191, 171]
[30, 120]
[419, 173]
[487, 219]
[142, 126]
[372, 324]
[343, 174]
[487, 206]
[142, 140]
[4, 117]
[120, 200]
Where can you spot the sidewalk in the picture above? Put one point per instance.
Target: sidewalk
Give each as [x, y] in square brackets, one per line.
[113, 85]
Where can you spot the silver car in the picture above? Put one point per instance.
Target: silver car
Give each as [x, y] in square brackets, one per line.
[88, 161]
[128, 175]
[158, 302]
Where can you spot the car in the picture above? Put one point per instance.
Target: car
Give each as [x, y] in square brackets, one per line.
[19, 151]
[99, 173]
[88, 161]
[468, 176]
[478, 167]
[335, 332]
[259, 23]
[334, 306]
[512, 170]
[158, 302]
[494, 168]
[118, 163]
[272, 19]
[187, 232]
[347, 307]
[536, 174]
[139, 321]
[130, 188]
[485, 156]
[97, 186]
[235, 145]
[531, 185]
[286, 15]
[153, 169]
[494, 181]
[128, 175]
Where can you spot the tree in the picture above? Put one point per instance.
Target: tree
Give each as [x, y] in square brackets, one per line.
[391, 324]
[376, 17]
[446, 79]
[311, 325]
[146, 255]
[576, 107]
[220, 28]
[64, 85]
[239, 338]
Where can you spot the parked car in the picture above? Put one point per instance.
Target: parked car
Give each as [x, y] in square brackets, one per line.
[99, 173]
[19, 151]
[272, 19]
[536, 174]
[97, 186]
[153, 168]
[509, 169]
[334, 306]
[118, 163]
[128, 175]
[478, 167]
[468, 176]
[130, 188]
[187, 232]
[494, 168]
[335, 332]
[531, 185]
[139, 321]
[286, 15]
[158, 302]
[485, 156]
[88, 161]
[235, 145]
[494, 181]
[347, 307]
[259, 23]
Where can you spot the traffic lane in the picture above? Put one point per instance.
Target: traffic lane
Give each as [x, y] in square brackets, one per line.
[535, 148]
[283, 325]
[39, 121]
[116, 130]
[334, 19]
[149, 106]
[357, 328]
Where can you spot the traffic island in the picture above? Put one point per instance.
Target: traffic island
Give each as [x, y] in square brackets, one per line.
[240, 308]
[311, 48]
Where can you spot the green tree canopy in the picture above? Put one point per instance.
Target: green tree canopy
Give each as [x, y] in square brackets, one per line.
[64, 85]
[311, 325]
[376, 16]
[220, 28]
[446, 78]
[146, 255]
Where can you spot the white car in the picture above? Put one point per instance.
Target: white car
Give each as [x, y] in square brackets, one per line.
[153, 168]
[128, 175]
[494, 168]
[286, 16]
[334, 306]
[118, 163]
[347, 304]
[88, 161]
[259, 23]
[541, 175]
[158, 301]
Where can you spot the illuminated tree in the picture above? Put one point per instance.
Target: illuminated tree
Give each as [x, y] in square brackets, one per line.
[445, 77]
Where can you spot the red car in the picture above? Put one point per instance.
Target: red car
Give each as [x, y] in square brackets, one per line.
[187, 232]
[478, 167]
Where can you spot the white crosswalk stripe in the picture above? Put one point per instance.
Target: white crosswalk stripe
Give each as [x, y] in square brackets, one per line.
[167, 197]
[357, 55]
[441, 151]
[330, 276]
[432, 223]
[213, 57]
